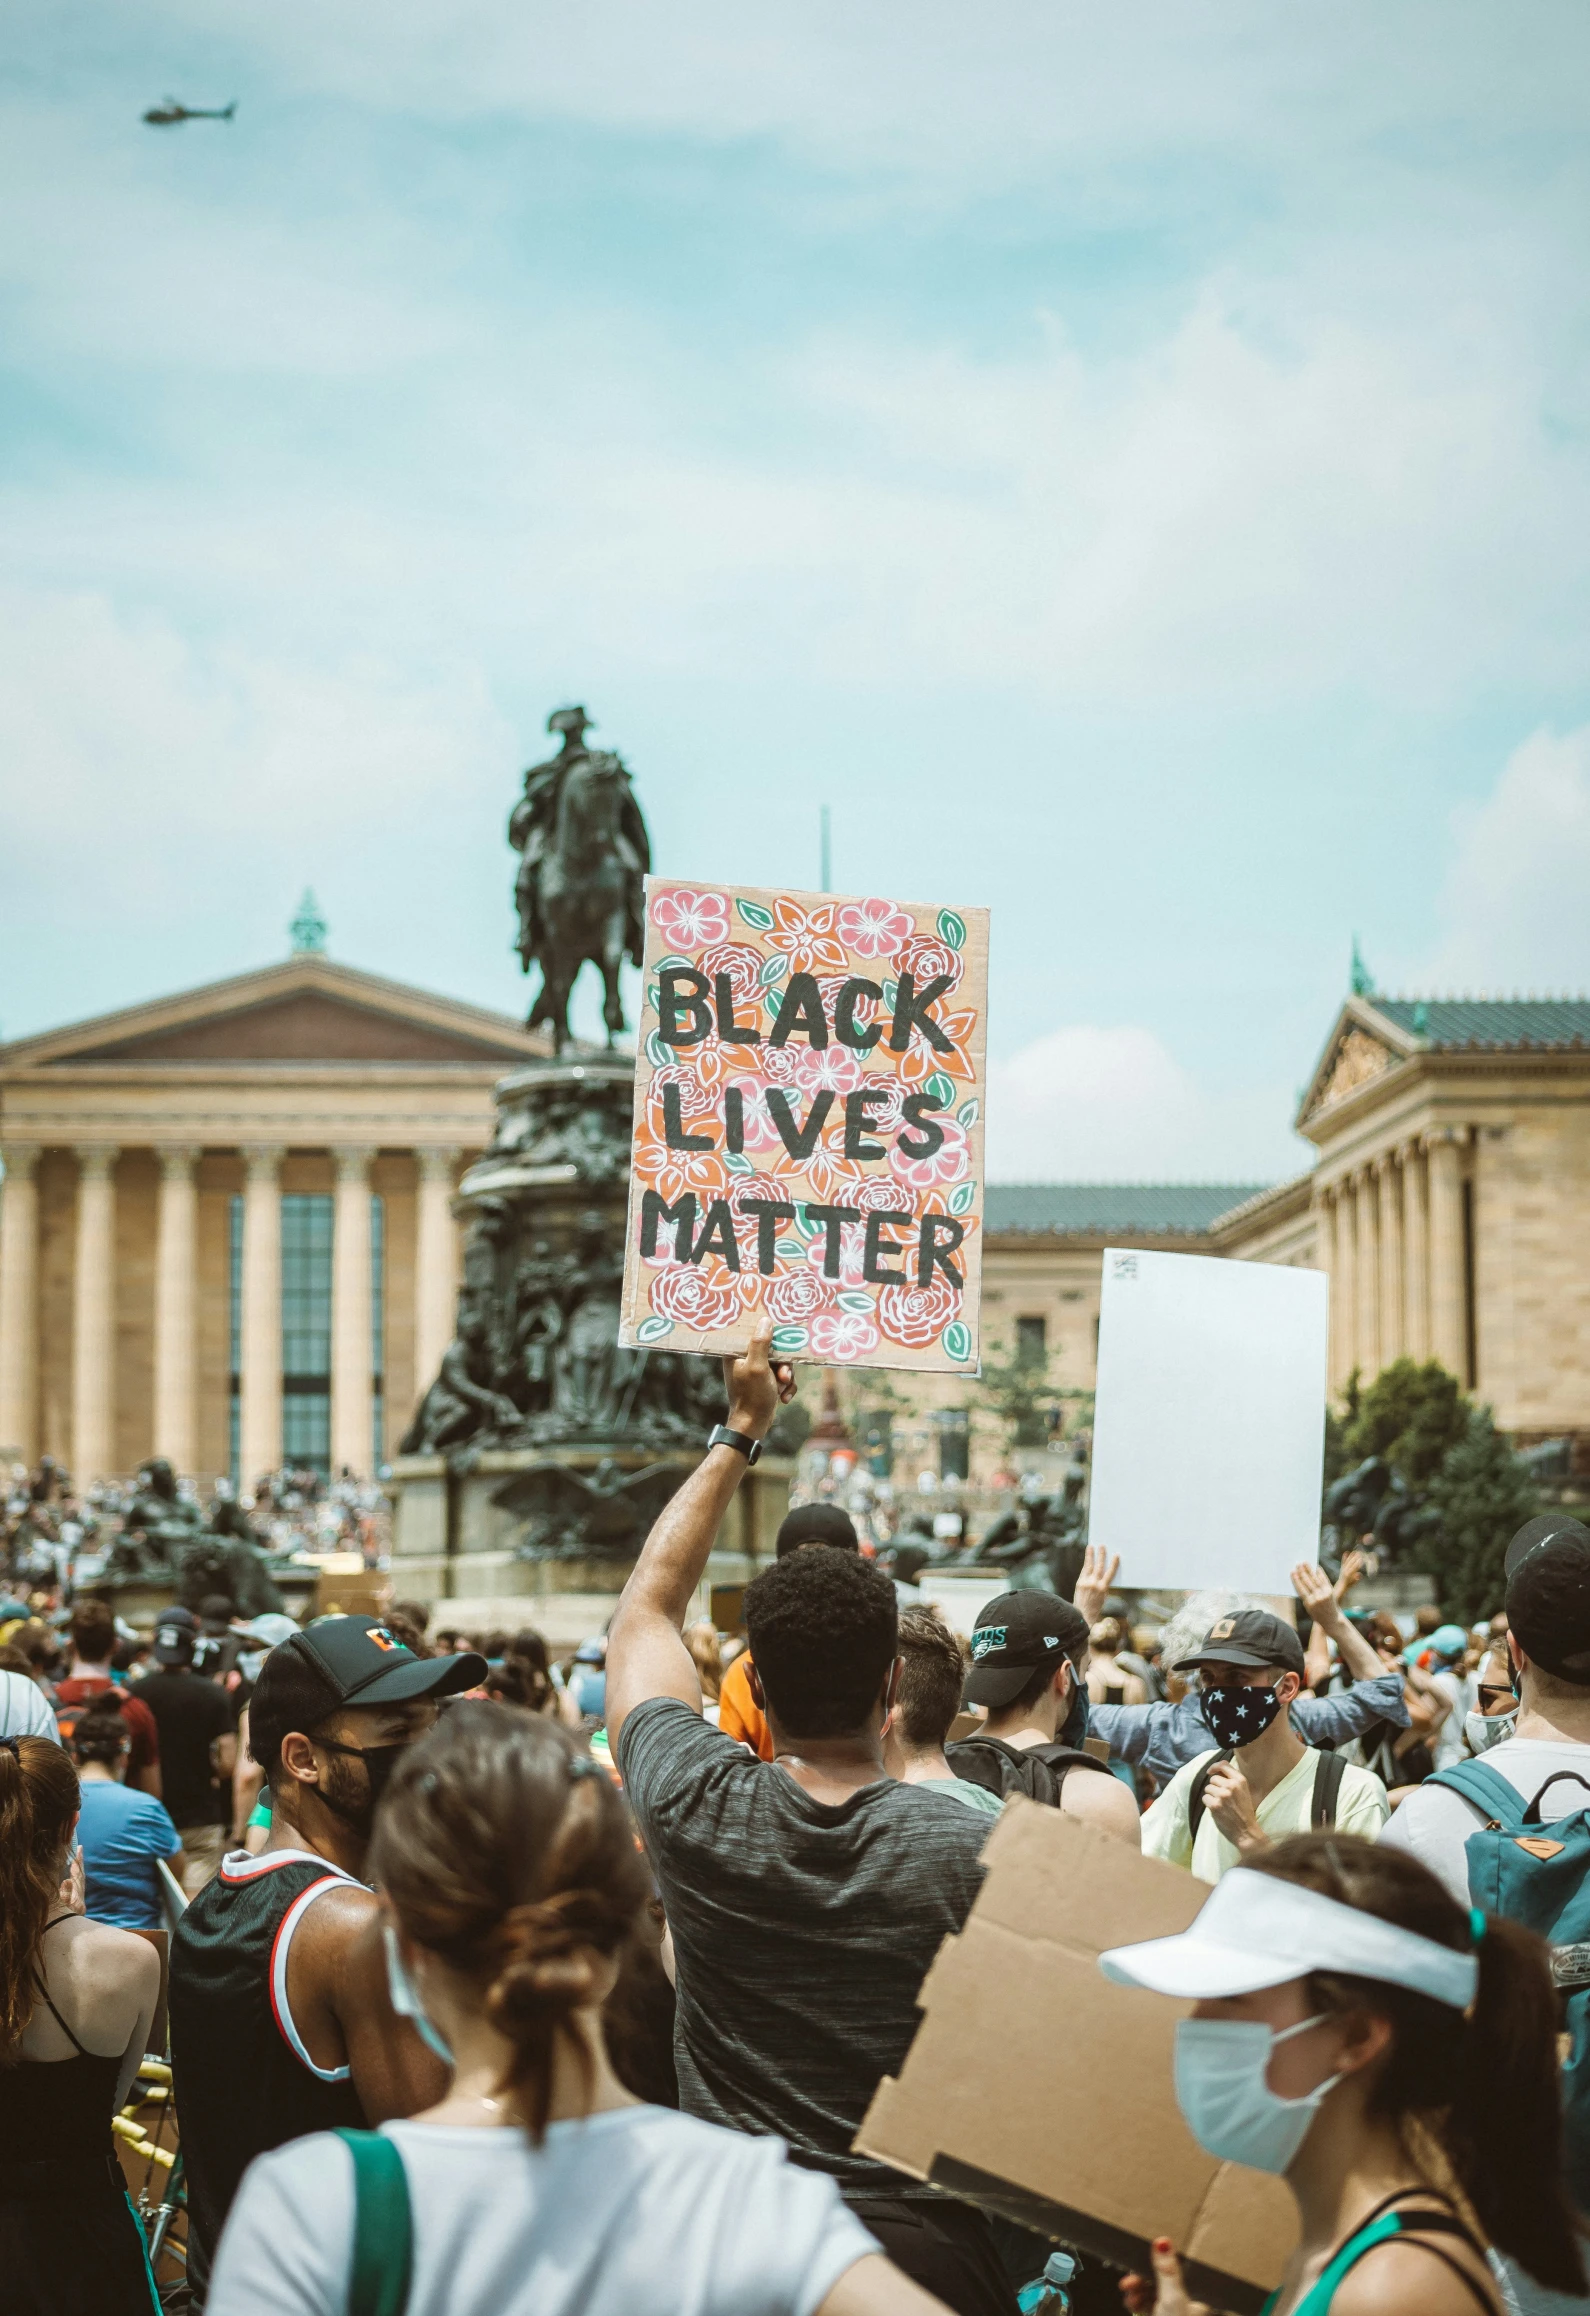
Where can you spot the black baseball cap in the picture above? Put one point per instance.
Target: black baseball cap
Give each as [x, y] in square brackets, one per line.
[816, 1524]
[1249, 1637]
[345, 1660]
[1015, 1634]
[175, 1633]
[1548, 1594]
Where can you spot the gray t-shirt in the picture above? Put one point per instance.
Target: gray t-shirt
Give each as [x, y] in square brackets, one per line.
[802, 1931]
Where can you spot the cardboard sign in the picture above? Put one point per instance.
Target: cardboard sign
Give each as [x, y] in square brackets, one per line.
[808, 1127]
[1037, 2089]
[1209, 1427]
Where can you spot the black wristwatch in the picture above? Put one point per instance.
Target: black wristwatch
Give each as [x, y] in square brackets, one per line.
[721, 1436]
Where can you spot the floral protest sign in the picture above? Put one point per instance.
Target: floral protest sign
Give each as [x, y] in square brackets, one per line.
[808, 1137]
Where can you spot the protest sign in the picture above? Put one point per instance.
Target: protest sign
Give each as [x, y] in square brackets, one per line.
[1209, 1424]
[1041, 2091]
[808, 1134]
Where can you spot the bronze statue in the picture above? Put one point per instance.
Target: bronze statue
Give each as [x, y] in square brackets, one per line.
[569, 1516]
[584, 854]
[462, 1403]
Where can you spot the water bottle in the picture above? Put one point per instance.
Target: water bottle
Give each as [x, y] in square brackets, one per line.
[1046, 2294]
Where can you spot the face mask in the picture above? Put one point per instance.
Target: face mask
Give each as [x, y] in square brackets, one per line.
[1075, 1727]
[1236, 1716]
[405, 1998]
[1228, 2106]
[1483, 1730]
[379, 1763]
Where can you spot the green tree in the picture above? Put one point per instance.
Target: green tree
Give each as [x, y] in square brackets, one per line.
[1412, 1415]
[1018, 1387]
[1484, 1495]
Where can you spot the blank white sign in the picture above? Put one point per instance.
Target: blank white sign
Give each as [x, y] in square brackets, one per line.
[1209, 1431]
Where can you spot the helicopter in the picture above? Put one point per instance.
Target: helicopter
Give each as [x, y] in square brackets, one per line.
[170, 114]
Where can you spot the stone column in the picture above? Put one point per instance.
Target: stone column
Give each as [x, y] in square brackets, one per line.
[435, 1265]
[352, 1350]
[1345, 1284]
[1448, 1298]
[260, 1425]
[1389, 1217]
[94, 1318]
[1416, 1254]
[1367, 1201]
[19, 1301]
[176, 1313]
[1325, 1259]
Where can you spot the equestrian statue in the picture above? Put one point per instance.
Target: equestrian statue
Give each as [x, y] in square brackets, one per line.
[583, 857]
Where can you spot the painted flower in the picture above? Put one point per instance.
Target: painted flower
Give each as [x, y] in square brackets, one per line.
[926, 958]
[743, 965]
[693, 1298]
[806, 936]
[696, 1099]
[914, 1317]
[852, 1249]
[795, 1296]
[921, 1059]
[843, 1335]
[947, 1164]
[672, 1172]
[831, 1177]
[687, 919]
[880, 1191]
[826, 1068]
[760, 1131]
[873, 928]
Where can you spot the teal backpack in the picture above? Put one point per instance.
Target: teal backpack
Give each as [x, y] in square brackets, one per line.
[1540, 1875]
[383, 2227]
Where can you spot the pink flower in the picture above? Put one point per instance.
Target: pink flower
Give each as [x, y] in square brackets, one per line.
[914, 1317]
[743, 965]
[689, 920]
[832, 1067]
[760, 1131]
[691, 1299]
[947, 1164]
[852, 1247]
[795, 1296]
[843, 1335]
[873, 928]
[926, 958]
[880, 1192]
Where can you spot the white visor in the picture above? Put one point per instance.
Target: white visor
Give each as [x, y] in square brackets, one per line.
[1255, 1930]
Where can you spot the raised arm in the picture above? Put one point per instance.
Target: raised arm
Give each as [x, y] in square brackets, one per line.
[1318, 1595]
[646, 1654]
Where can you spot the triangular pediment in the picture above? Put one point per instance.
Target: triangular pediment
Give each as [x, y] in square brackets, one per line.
[1362, 1048]
[305, 1011]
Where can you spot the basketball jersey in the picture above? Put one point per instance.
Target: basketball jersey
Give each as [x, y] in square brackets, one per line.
[243, 2080]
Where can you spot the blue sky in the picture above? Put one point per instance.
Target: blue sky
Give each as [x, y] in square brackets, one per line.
[1133, 465]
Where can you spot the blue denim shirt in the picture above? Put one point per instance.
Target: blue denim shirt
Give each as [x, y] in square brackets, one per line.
[1164, 1738]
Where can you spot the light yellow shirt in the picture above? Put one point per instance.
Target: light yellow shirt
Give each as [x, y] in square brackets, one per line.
[1361, 1808]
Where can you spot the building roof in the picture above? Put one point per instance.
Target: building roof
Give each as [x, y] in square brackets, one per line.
[1170, 1209]
[1494, 1024]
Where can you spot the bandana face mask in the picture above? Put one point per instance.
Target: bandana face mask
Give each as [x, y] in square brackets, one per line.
[1236, 1716]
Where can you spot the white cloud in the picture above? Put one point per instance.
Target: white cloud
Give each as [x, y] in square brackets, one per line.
[1088, 1104]
[1514, 905]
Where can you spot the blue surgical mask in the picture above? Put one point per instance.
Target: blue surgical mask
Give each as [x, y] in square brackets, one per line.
[406, 2001]
[1229, 2107]
[1483, 1730]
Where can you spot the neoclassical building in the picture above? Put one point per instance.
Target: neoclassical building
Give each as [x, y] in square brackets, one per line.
[226, 1230]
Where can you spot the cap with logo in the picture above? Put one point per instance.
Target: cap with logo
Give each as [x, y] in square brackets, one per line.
[1015, 1634]
[1548, 1594]
[175, 1635]
[341, 1661]
[1249, 1637]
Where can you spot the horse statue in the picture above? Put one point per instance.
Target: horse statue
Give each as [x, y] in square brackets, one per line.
[584, 853]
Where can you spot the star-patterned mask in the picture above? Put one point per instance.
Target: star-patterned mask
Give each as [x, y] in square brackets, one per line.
[1237, 1715]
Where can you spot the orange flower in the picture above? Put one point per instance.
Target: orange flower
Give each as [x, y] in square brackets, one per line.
[808, 937]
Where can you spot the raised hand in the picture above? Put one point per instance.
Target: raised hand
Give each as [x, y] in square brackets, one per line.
[754, 1385]
[1096, 1582]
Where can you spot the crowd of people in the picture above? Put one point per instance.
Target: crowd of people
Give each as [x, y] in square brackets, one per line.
[498, 1983]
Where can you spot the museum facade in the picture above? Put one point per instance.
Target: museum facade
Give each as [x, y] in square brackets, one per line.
[227, 1231]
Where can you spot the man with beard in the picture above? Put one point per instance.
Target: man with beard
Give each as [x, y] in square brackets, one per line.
[281, 2018]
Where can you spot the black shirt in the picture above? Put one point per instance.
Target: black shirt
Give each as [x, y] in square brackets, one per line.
[191, 1713]
[802, 1931]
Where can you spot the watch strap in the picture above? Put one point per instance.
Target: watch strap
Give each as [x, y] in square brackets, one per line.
[721, 1436]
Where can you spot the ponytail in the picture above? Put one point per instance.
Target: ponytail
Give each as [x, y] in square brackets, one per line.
[1482, 2087]
[508, 1854]
[38, 1801]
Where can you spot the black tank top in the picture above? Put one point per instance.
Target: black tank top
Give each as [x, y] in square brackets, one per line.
[57, 2112]
[243, 2079]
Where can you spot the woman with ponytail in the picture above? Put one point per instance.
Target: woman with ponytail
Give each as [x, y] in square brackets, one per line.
[77, 2000]
[514, 1887]
[1393, 2054]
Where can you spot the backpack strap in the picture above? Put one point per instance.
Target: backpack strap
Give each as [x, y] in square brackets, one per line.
[1195, 1799]
[383, 2227]
[1493, 1795]
[1329, 1770]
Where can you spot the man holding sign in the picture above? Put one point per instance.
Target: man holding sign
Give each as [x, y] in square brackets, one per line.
[808, 1136]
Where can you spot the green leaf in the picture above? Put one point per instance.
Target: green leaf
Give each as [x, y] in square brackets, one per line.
[952, 928]
[676, 964]
[791, 1249]
[891, 992]
[653, 1330]
[941, 1090]
[789, 1338]
[969, 1112]
[754, 914]
[962, 1198]
[659, 1055]
[739, 1163]
[806, 1227]
[957, 1337]
[854, 1300]
[774, 968]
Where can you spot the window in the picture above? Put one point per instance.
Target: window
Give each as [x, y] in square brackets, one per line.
[377, 1332]
[955, 1442]
[306, 1331]
[1031, 1341]
[234, 1395]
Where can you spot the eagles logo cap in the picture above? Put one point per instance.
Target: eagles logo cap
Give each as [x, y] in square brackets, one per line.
[1249, 1637]
[1013, 1636]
